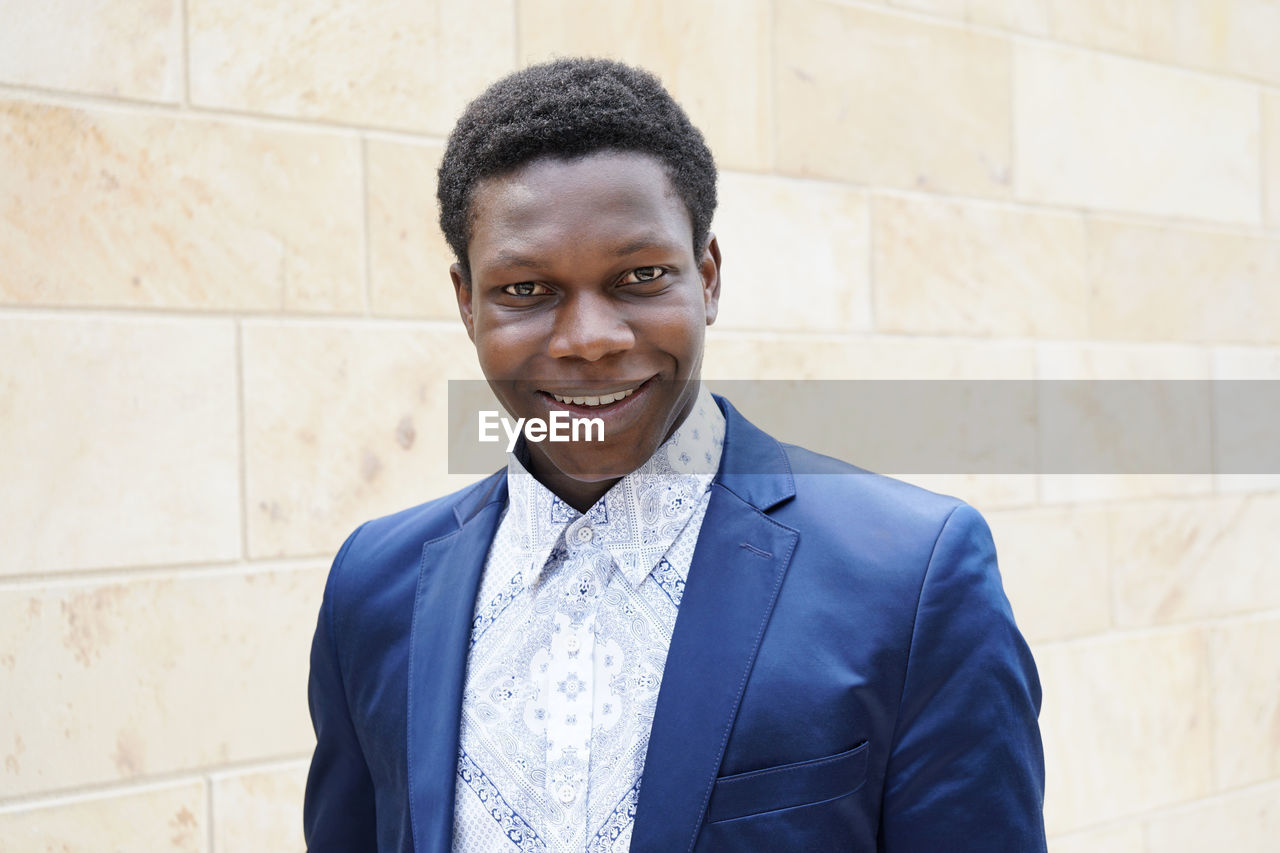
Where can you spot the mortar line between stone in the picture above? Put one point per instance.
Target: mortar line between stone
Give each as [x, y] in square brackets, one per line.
[366, 249]
[356, 321]
[1141, 817]
[175, 109]
[1264, 172]
[875, 6]
[210, 839]
[1109, 214]
[58, 579]
[862, 337]
[515, 34]
[1140, 632]
[1039, 479]
[865, 5]
[873, 321]
[73, 794]
[143, 312]
[1012, 93]
[75, 100]
[243, 473]
[1212, 712]
[1026, 206]
[183, 18]
[775, 68]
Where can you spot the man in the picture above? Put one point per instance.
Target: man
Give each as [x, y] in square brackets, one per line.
[685, 636]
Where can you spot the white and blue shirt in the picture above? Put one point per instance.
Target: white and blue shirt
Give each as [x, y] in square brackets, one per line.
[568, 644]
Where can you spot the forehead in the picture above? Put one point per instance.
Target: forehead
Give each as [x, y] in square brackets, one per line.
[552, 205]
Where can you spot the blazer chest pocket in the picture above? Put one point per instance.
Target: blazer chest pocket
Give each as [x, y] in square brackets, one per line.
[785, 786]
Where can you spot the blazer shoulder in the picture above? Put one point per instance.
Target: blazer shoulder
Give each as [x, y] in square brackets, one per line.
[824, 481]
[883, 536]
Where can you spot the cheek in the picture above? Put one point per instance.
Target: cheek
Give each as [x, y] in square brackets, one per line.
[504, 348]
[680, 332]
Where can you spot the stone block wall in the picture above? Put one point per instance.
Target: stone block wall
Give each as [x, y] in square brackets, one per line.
[226, 325]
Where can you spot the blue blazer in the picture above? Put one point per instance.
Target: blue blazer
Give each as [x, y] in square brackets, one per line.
[844, 673]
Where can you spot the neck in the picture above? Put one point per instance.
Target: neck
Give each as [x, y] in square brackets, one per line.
[583, 494]
[576, 493]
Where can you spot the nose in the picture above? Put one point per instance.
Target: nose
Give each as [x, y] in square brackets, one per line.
[590, 327]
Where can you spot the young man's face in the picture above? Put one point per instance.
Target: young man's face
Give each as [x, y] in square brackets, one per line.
[584, 283]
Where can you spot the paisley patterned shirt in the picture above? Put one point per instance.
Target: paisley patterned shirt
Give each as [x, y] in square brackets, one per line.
[568, 644]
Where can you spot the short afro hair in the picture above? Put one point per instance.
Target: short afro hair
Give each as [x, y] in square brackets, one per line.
[569, 108]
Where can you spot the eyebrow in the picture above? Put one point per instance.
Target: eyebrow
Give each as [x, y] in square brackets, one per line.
[509, 258]
[644, 241]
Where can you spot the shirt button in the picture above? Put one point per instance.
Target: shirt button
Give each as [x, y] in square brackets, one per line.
[585, 534]
[573, 643]
[567, 794]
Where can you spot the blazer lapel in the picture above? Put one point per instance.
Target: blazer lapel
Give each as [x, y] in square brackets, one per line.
[737, 571]
[448, 581]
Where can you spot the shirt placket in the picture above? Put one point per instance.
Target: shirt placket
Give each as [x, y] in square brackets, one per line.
[571, 684]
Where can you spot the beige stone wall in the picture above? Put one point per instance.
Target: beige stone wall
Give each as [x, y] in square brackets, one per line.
[225, 326]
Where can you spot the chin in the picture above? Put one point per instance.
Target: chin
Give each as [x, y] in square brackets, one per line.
[596, 465]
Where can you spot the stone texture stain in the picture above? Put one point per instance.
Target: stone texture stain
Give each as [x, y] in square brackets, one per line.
[405, 433]
[1171, 603]
[184, 827]
[11, 762]
[273, 510]
[370, 466]
[130, 754]
[89, 618]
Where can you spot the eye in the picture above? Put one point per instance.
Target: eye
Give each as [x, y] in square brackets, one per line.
[643, 275]
[526, 288]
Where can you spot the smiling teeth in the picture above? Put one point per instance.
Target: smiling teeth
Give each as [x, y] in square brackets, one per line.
[595, 401]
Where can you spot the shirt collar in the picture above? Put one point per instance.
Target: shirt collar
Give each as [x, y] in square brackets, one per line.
[639, 518]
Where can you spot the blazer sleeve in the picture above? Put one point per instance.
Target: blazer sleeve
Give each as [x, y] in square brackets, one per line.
[338, 811]
[966, 765]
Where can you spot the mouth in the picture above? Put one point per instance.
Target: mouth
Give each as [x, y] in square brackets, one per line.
[581, 400]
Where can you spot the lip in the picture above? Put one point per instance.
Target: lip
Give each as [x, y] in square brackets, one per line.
[611, 412]
[588, 391]
[594, 390]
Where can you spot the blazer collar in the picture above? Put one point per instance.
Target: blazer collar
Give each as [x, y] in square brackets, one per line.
[738, 568]
[443, 607]
[753, 466]
[492, 489]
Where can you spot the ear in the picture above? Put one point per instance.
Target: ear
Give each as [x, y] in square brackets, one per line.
[709, 269]
[462, 288]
